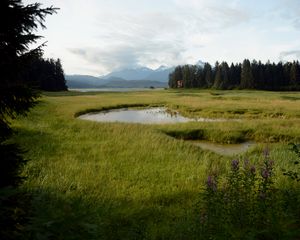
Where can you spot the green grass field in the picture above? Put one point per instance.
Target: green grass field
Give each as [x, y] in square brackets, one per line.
[94, 180]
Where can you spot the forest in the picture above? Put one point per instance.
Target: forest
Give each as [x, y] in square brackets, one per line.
[45, 74]
[246, 75]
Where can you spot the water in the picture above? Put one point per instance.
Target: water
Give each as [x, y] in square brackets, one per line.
[112, 89]
[224, 149]
[150, 115]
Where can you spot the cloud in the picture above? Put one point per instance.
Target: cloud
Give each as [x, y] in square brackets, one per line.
[154, 38]
[294, 54]
[128, 56]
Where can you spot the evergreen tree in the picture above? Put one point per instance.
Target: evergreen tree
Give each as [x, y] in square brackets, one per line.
[193, 76]
[208, 75]
[255, 75]
[247, 80]
[172, 82]
[201, 83]
[218, 76]
[17, 24]
[186, 76]
[225, 76]
[294, 75]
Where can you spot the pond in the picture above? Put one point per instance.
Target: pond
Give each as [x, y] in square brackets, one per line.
[224, 149]
[149, 115]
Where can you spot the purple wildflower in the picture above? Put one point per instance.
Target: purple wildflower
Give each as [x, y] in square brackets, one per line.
[265, 173]
[235, 165]
[252, 169]
[246, 163]
[211, 183]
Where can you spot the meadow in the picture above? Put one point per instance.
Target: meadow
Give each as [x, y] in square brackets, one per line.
[91, 180]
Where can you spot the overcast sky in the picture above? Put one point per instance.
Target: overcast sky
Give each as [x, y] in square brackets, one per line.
[98, 36]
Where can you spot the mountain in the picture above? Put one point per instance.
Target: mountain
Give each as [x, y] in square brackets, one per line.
[86, 81]
[160, 74]
[134, 84]
[200, 63]
[130, 74]
[130, 78]
[83, 81]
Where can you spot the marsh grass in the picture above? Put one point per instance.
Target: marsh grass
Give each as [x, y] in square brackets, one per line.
[93, 180]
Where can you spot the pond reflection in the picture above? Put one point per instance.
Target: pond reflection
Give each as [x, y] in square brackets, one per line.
[150, 115]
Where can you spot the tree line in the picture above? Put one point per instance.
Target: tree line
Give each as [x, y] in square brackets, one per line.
[246, 75]
[45, 74]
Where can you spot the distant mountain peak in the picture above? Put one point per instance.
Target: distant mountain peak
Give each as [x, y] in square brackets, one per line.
[162, 68]
[141, 73]
[200, 63]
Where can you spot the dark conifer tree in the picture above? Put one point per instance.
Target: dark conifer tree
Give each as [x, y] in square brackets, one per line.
[186, 76]
[294, 75]
[208, 75]
[172, 82]
[247, 80]
[17, 23]
[255, 75]
[218, 76]
[225, 83]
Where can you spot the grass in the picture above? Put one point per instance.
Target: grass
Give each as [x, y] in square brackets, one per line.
[93, 180]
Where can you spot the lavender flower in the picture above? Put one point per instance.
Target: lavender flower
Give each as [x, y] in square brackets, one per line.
[211, 183]
[246, 163]
[265, 173]
[252, 169]
[235, 165]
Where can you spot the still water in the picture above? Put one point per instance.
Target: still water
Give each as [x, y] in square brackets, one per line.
[150, 115]
[224, 149]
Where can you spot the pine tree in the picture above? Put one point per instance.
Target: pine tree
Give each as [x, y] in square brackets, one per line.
[186, 76]
[218, 76]
[208, 75]
[294, 75]
[225, 76]
[247, 80]
[17, 23]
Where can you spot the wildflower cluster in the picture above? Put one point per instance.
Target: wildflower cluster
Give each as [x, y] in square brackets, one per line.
[243, 203]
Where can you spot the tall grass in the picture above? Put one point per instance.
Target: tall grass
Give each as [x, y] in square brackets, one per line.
[132, 181]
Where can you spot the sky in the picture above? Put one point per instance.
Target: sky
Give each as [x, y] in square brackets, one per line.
[95, 37]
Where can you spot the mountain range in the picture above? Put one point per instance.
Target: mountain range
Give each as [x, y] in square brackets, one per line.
[140, 77]
[131, 78]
